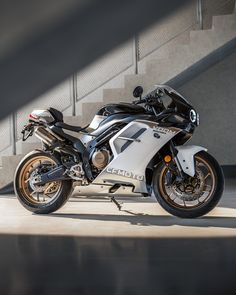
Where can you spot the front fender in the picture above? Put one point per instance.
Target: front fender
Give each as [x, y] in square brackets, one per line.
[185, 157]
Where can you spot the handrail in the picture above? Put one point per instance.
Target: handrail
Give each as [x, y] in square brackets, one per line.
[200, 14]
[13, 133]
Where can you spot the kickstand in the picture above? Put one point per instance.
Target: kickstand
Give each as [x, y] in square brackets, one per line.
[116, 202]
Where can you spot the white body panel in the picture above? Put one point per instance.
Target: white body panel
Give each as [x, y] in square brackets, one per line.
[186, 157]
[41, 116]
[104, 190]
[131, 159]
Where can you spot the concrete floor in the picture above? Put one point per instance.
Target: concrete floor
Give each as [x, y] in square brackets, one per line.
[98, 217]
[89, 247]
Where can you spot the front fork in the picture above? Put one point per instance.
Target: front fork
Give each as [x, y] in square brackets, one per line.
[174, 153]
[184, 157]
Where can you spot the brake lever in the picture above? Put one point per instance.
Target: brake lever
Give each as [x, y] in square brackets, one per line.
[141, 101]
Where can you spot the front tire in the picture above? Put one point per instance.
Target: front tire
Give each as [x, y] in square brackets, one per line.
[181, 203]
[40, 199]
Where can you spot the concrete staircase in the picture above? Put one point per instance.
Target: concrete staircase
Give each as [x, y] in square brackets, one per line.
[160, 69]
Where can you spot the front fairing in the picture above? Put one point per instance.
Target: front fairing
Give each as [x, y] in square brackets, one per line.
[180, 104]
[178, 99]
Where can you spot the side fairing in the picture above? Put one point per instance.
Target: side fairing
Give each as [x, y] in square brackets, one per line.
[133, 147]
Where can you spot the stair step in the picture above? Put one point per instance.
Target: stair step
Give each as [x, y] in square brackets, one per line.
[210, 40]
[114, 95]
[89, 110]
[73, 120]
[177, 66]
[181, 54]
[132, 81]
[8, 161]
[220, 21]
[200, 35]
[7, 171]
[165, 50]
[27, 147]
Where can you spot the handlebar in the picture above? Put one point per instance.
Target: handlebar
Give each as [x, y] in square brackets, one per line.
[141, 101]
[148, 98]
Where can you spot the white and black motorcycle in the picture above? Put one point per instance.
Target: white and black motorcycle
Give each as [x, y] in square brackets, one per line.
[128, 149]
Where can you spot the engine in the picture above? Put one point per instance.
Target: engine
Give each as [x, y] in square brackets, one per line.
[100, 158]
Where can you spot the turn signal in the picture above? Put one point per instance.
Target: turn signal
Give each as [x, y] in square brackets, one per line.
[167, 159]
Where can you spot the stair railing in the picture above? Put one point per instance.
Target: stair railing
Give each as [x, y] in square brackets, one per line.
[200, 14]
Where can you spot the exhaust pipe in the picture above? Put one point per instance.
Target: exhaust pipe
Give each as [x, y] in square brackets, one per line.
[45, 136]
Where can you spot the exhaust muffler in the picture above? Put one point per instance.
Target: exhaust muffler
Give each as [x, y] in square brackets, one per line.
[45, 136]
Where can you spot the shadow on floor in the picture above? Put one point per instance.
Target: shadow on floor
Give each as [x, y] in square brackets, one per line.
[155, 220]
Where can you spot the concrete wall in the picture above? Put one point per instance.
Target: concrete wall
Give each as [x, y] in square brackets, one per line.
[109, 71]
[213, 94]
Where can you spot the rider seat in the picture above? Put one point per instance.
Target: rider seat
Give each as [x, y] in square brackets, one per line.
[58, 116]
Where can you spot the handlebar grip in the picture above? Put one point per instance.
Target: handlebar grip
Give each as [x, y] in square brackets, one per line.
[140, 101]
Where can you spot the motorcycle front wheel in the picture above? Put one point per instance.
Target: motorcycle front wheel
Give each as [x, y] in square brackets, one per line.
[195, 196]
[40, 199]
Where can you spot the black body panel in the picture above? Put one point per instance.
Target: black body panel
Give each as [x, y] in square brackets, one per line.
[119, 119]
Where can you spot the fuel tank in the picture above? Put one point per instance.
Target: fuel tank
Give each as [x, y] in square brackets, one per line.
[115, 113]
[117, 108]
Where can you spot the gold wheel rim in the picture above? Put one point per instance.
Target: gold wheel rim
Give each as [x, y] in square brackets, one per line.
[200, 201]
[46, 193]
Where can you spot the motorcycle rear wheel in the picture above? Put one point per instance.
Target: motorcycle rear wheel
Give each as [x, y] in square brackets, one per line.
[178, 200]
[42, 199]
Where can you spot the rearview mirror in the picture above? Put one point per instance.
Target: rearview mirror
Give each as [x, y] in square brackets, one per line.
[138, 91]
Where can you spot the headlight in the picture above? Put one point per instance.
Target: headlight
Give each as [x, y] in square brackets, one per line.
[198, 119]
[193, 116]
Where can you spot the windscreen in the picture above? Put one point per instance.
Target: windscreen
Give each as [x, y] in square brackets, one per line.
[178, 100]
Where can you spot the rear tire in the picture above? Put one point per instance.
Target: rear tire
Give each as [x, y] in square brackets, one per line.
[22, 188]
[167, 203]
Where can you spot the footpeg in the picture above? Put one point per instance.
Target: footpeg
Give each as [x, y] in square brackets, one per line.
[116, 203]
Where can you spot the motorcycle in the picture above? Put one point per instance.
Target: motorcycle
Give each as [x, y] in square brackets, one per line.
[129, 149]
